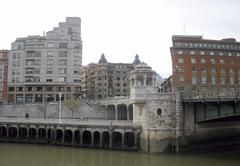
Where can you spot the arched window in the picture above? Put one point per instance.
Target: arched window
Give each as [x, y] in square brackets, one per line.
[159, 113]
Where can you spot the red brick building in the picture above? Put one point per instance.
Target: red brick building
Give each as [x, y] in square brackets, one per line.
[203, 65]
[3, 75]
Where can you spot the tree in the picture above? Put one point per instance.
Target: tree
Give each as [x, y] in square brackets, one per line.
[72, 104]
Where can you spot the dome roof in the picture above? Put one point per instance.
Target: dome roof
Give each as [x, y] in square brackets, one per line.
[142, 67]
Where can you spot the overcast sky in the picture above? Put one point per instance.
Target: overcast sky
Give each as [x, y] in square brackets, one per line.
[122, 28]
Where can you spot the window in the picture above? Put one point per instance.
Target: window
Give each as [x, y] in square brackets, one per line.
[203, 70]
[213, 80]
[213, 61]
[180, 78]
[238, 54]
[62, 62]
[222, 79]
[222, 61]
[231, 79]
[211, 53]
[50, 54]
[192, 52]
[62, 54]
[222, 70]
[193, 69]
[50, 62]
[49, 71]
[202, 53]
[61, 79]
[194, 80]
[63, 45]
[221, 53]
[179, 69]
[180, 52]
[77, 62]
[229, 54]
[231, 71]
[180, 60]
[203, 61]
[193, 60]
[49, 80]
[204, 79]
[213, 70]
[50, 45]
[62, 71]
[14, 55]
[77, 54]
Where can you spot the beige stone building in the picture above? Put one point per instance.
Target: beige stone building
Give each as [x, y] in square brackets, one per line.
[103, 79]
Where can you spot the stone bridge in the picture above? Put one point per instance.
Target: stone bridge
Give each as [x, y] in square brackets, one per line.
[71, 132]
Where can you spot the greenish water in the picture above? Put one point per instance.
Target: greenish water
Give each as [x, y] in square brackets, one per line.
[40, 155]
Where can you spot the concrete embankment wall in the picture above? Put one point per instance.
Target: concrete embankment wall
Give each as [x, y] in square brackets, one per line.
[51, 110]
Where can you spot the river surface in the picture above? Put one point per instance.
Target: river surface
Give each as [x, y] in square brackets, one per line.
[42, 155]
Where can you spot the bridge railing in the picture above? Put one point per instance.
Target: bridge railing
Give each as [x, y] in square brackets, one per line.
[224, 93]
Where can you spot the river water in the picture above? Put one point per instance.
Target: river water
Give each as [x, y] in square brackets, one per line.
[42, 155]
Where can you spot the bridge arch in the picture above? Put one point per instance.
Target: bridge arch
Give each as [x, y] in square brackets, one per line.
[129, 140]
[50, 135]
[59, 136]
[105, 139]
[3, 132]
[77, 137]
[32, 133]
[41, 133]
[22, 133]
[96, 136]
[122, 112]
[12, 132]
[87, 138]
[116, 140]
[68, 136]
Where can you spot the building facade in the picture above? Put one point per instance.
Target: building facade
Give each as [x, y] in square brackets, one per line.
[3, 75]
[103, 79]
[43, 67]
[205, 66]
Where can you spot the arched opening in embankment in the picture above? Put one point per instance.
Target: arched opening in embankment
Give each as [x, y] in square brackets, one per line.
[41, 135]
[116, 140]
[129, 140]
[68, 137]
[12, 133]
[110, 114]
[59, 136]
[50, 135]
[32, 134]
[87, 138]
[96, 137]
[3, 132]
[105, 139]
[77, 137]
[22, 133]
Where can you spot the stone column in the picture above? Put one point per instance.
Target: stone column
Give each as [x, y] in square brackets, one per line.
[92, 139]
[116, 112]
[37, 133]
[55, 135]
[179, 121]
[100, 144]
[110, 140]
[27, 132]
[122, 140]
[135, 139]
[73, 137]
[63, 136]
[127, 112]
[7, 127]
[81, 137]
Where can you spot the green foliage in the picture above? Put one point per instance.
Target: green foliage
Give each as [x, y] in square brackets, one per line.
[72, 104]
